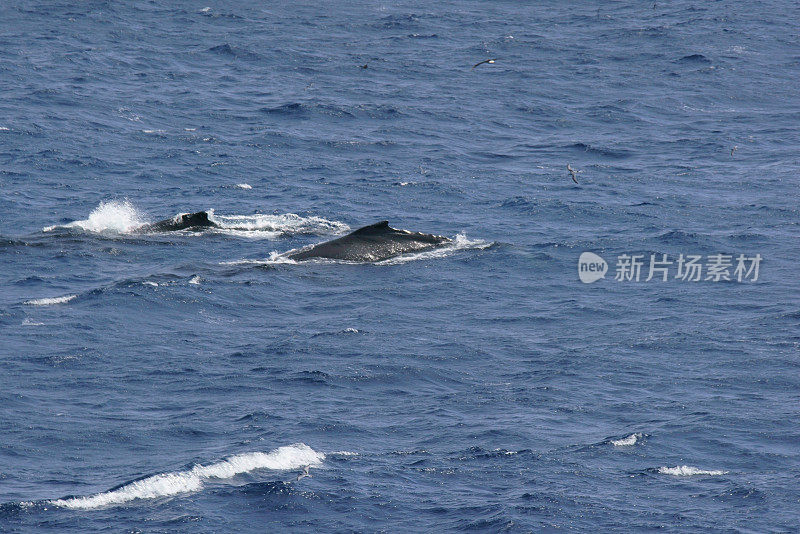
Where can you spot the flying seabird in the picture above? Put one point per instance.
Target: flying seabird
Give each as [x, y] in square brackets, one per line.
[484, 61]
[305, 473]
[573, 173]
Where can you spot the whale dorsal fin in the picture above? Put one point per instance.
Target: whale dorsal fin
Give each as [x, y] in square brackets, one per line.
[378, 226]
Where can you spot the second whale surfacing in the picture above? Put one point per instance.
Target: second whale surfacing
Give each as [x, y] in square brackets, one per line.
[181, 221]
[372, 243]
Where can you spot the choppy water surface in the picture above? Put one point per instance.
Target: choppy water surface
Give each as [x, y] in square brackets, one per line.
[183, 381]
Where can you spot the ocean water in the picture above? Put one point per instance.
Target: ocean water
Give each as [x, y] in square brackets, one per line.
[183, 381]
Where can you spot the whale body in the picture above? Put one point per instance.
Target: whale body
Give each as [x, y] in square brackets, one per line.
[181, 221]
[371, 243]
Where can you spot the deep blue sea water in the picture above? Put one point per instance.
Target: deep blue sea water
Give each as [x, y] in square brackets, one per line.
[180, 382]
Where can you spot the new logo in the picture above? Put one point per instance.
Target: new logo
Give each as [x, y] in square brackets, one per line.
[591, 267]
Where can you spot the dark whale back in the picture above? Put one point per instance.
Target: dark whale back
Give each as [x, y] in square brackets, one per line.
[181, 221]
[375, 242]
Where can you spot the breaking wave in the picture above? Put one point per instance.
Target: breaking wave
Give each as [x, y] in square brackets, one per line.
[50, 301]
[687, 471]
[168, 484]
[627, 442]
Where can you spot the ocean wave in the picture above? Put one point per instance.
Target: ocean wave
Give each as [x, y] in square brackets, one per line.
[694, 58]
[601, 151]
[687, 471]
[50, 301]
[237, 52]
[169, 484]
[627, 442]
[297, 110]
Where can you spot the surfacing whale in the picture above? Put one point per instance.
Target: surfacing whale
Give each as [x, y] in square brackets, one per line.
[375, 242]
[181, 221]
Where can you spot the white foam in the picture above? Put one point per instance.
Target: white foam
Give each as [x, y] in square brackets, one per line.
[149, 283]
[275, 258]
[50, 301]
[123, 217]
[168, 484]
[195, 280]
[244, 186]
[153, 131]
[274, 226]
[460, 242]
[115, 216]
[28, 322]
[687, 471]
[3, 129]
[627, 442]
[351, 330]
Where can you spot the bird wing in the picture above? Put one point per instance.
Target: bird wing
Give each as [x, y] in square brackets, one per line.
[484, 61]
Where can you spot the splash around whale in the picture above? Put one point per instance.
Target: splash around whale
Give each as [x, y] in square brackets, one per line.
[373, 243]
[181, 221]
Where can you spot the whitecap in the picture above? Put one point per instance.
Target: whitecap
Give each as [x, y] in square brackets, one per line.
[687, 471]
[627, 442]
[244, 186]
[168, 484]
[195, 280]
[50, 301]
